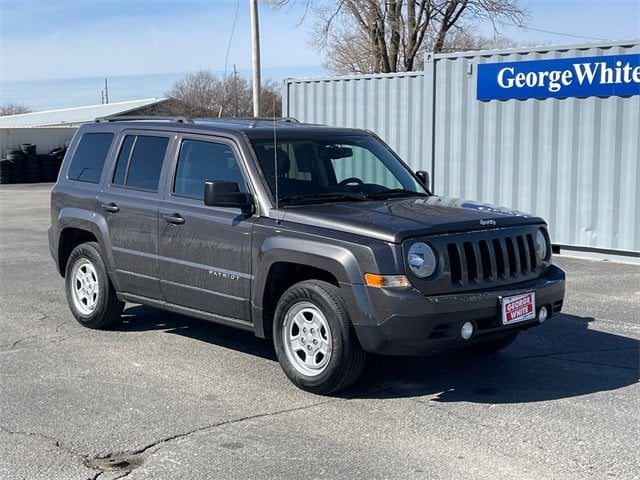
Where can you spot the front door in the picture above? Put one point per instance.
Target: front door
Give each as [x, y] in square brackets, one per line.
[205, 252]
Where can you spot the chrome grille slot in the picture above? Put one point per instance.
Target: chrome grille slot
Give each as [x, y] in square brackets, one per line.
[487, 260]
[472, 263]
[512, 260]
[499, 255]
[455, 265]
[532, 253]
[524, 255]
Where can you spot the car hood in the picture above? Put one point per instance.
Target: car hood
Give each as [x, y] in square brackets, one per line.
[399, 219]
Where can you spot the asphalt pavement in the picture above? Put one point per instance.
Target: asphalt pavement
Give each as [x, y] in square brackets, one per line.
[163, 396]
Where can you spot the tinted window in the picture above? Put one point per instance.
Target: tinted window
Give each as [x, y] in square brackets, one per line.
[201, 161]
[89, 157]
[358, 165]
[140, 162]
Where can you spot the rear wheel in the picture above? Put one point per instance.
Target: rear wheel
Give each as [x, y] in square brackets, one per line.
[314, 339]
[90, 294]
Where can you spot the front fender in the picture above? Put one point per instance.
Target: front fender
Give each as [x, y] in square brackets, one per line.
[337, 260]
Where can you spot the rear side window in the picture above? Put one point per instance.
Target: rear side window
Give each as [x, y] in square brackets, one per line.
[201, 161]
[89, 157]
[140, 162]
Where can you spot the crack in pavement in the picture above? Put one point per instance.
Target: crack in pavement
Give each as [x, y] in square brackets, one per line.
[13, 345]
[554, 356]
[41, 436]
[50, 337]
[157, 444]
[22, 340]
[60, 325]
[598, 364]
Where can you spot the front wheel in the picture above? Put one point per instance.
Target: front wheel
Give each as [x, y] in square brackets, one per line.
[90, 294]
[314, 339]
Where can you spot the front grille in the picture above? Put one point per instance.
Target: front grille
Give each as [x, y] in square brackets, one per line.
[481, 262]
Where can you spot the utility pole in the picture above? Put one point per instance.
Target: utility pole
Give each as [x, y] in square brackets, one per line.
[105, 93]
[235, 89]
[255, 51]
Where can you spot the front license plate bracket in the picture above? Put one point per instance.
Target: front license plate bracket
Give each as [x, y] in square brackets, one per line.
[518, 308]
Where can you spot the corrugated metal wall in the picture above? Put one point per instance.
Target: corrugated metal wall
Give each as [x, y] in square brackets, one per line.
[574, 161]
[45, 138]
[392, 105]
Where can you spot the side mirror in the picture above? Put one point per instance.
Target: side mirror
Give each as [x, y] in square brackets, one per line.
[424, 178]
[227, 194]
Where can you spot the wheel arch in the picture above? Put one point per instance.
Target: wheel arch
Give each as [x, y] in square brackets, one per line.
[78, 226]
[283, 266]
[70, 238]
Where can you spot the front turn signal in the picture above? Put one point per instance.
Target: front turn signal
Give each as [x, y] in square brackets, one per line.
[386, 281]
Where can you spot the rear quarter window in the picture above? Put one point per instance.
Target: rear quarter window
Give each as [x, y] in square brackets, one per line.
[89, 158]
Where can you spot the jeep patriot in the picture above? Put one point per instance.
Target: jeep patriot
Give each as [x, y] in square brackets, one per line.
[320, 238]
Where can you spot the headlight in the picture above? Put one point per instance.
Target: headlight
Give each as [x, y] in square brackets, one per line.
[542, 245]
[422, 260]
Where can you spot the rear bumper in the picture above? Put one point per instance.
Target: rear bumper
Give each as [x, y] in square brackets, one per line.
[406, 322]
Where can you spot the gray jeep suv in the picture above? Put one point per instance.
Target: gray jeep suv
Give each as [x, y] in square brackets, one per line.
[320, 238]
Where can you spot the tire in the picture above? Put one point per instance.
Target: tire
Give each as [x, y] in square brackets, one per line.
[90, 293]
[494, 345]
[312, 315]
[16, 158]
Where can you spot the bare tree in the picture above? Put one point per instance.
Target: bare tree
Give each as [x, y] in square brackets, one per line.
[373, 36]
[12, 108]
[227, 97]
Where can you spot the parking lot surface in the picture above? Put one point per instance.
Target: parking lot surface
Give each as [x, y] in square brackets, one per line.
[164, 396]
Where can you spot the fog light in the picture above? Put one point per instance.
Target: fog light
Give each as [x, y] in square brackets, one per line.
[542, 314]
[467, 330]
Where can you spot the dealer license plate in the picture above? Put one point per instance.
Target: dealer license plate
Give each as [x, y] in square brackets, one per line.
[518, 308]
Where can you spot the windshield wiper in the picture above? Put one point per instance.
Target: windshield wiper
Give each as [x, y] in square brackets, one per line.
[395, 192]
[322, 197]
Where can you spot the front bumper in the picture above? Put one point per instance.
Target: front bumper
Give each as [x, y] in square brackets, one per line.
[406, 322]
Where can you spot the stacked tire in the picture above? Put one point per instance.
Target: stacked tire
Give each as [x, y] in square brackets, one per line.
[31, 163]
[24, 165]
[58, 155]
[48, 171]
[16, 161]
[5, 171]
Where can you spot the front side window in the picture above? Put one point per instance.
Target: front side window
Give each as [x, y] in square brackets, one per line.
[201, 161]
[140, 162]
[89, 157]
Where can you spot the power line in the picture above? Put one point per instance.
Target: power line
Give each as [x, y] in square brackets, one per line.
[233, 29]
[522, 27]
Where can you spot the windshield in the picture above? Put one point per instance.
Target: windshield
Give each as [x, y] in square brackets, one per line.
[340, 168]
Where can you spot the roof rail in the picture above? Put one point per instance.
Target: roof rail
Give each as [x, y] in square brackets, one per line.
[250, 119]
[138, 118]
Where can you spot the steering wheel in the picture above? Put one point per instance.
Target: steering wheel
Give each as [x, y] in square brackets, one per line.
[349, 180]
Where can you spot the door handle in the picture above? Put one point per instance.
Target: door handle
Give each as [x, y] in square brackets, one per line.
[174, 218]
[110, 207]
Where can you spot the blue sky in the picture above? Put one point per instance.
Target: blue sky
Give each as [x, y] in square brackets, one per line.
[45, 40]
[80, 38]
[76, 38]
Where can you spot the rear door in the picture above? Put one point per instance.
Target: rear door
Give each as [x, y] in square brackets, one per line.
[205, 252]
[129, 203]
